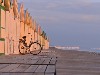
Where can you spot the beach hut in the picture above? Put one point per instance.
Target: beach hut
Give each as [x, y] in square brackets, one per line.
[39, 34]
[15, 8]
[7, 26]
[43, 39]
[35, 35]
[25, 21]
[33, 30]
[27, 26]
[11, 25]
[2, 27]
[16, 26]
[29, 29]
[22, 21]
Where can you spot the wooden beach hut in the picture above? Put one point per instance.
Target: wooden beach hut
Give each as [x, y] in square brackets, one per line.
[2, 27]
[22, 20]
[15, 22]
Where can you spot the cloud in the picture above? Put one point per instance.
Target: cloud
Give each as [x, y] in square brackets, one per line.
[52, 5]
[70, 10]
[82, 17]
[69, 17]
[49, 18]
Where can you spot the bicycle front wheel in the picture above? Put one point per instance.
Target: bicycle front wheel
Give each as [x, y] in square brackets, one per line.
[35, 48]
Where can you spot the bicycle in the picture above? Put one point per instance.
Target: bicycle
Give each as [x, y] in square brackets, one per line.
[24, 48]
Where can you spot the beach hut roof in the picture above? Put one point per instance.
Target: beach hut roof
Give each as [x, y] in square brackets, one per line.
[22, 12]
[15, 8]
[7, 4]
[1, 1]
[26, 15]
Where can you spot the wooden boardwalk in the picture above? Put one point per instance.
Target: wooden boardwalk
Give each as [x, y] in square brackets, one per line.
[42, 64]
[52, 62]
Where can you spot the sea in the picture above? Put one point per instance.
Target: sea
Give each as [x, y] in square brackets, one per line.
[96, 50]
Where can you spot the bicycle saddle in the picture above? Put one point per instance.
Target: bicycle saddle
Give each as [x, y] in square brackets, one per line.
[24, 37]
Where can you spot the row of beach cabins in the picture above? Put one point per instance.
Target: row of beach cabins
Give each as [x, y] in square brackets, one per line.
[16, 22]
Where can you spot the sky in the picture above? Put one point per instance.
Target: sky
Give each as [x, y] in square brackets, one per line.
[68, 22]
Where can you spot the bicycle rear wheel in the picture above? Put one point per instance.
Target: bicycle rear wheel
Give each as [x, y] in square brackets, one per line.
[22, 48]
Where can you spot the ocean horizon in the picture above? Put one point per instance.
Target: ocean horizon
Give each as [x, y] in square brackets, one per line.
[97, 50]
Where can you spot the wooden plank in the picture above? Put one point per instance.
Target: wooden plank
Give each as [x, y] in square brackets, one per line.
[40, 62]
[6, 61]
[44, 53]
[21, 61]
[13, 60]
[3, 65]
[9, 68]
[49, 73]
[4, 74]
[16, 73]
[39, 73]
[54, 58]
[32, 68]
[51, 69]
[53, 62]
[46, 61]
[21, 68]
[32, 61]
[41, 68]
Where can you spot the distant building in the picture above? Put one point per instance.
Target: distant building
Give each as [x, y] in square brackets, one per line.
[68, 47]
